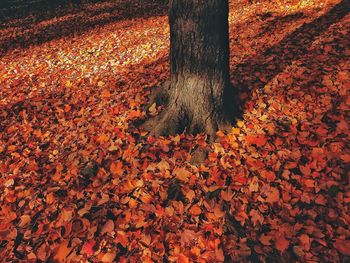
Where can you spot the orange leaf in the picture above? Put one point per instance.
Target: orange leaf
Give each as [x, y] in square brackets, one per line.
[343, 75]
[281, 244]
[227, 195]
[67, 108]
[343, 246]
[309, 183]
[147, 199]
[50, 198]
[122, 238]
[62, 252]
[345, 157]
[109, 257]
[88, 247]
[305, 241]
[105, 94]
[181, 258]
[182, 174]
[273, 195]
[135, 114]
[25, 219]
[195, 210]
[117, 168]
[102, 138]
[195, 251]
[265, 240]
[132, 203]
[258, 140]
[269, 175]
[218, 212]
[305, 169]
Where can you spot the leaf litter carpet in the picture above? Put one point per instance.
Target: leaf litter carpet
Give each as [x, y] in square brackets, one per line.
[80, 183]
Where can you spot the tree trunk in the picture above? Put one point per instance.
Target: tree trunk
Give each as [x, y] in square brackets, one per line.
[199, 88]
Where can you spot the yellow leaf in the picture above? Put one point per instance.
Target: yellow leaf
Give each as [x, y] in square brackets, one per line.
[240, 123]
[236, 131]
[153, 109]
[68, 84]
[263, 118]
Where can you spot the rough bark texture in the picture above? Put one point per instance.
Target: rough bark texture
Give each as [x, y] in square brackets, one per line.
[199, 86]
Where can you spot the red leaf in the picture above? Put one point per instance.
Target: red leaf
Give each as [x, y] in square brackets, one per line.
[88, 248]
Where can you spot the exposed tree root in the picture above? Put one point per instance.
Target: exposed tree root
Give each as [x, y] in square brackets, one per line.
[199, 155]
[177, 118]
[167, 123]
[159, 95]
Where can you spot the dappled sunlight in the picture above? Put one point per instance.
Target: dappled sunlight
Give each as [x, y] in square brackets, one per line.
[61, 21]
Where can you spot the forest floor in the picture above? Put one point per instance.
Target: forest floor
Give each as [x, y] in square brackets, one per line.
[78, 181]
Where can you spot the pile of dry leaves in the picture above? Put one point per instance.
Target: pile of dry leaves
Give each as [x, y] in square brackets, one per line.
[80, 182]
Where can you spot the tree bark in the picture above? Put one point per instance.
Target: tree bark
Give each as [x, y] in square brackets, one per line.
[199, 93]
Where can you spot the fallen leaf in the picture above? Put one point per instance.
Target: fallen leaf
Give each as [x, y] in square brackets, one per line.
[182, 174]
[108, 227]
[195, 210]
[281, 244]
[62, 251]
[343, 246]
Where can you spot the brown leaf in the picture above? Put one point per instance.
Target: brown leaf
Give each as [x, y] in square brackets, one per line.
[108, 227]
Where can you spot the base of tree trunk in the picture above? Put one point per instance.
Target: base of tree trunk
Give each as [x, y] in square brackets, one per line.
[176, 118]
[159, 95]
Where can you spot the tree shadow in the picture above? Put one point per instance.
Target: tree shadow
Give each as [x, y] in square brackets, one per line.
[256, 72]
[270, 24]
[44, 25]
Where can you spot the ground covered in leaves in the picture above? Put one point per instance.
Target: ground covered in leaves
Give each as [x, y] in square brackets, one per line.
[80, 182]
